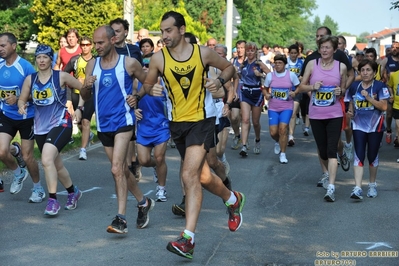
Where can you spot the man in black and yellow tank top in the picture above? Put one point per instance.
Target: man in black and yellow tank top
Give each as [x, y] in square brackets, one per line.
[192, 113]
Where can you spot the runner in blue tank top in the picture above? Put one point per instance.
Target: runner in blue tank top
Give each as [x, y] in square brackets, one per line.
[53, 124]
[152, 132]
[13, 71]
[110, 79]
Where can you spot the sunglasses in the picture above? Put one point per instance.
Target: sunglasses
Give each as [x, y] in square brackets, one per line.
[85, 44]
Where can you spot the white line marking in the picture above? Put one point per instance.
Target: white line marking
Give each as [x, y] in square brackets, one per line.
[375, 244]
[83, 191]
[113, 196]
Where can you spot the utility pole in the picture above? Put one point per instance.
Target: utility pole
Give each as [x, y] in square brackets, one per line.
[128, 14]
[229, 27]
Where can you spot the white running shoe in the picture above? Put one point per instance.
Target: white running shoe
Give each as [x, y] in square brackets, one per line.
[155, 175]
[283, 158]
[324, 181]
[348, 150]
[82, 155]
[330, 197]
[372, 192]
[226, 167]
[161, 195]
[18, 181]
[38, 195]
[277, 149]
[256, 147]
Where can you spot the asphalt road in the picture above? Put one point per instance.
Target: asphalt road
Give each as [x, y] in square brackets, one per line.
[285, 219]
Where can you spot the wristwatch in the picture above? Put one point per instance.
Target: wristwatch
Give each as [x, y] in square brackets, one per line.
[222, 81]
[137, 97]
[81, 108]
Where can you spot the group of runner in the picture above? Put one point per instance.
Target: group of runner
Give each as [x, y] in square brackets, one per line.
[183, 92]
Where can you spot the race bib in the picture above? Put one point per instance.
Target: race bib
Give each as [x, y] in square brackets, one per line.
[325, 96]
[5, 91]
[361, 103]
[280, 93]
[43, 97]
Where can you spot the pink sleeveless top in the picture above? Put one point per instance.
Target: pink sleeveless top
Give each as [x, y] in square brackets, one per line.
[324, 104]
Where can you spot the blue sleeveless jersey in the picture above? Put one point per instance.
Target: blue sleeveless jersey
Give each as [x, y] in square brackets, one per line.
[11, 81]
[49, 100]
[109, 94]
[295, 67]
[154, 111]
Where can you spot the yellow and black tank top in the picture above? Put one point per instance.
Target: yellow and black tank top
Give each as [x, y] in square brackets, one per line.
[188, 100]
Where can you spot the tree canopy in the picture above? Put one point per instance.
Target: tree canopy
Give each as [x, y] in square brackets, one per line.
[273, 22]
[55, 17]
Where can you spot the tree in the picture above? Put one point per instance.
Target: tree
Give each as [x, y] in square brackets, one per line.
[395, 5]
[149, 16]
[362, 37]
[274, 21]
[331, 24]
[17, 18]
[210, 14]
[55, 17]
[4, 5]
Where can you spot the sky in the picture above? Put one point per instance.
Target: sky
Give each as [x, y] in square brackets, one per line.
[358, 16]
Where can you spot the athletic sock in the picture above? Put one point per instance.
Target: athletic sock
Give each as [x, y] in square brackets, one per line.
[190, 234]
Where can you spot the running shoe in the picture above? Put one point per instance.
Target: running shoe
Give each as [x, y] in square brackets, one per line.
[330, 194]
[118, 226]
[72, 201]
[244, 151]
[71, 141]
[291, 142]
[235, 212]
[91, 137]
[82, 155]
[306, 131]
[18, 156]
[52, 208]
[348, 150]
[297, 121]
[1, 186]
[161, 195]
[277, 149]
[323, 181]
[143, 218]
[396, 143]
[180, 209]
[155, 175]
[345, 162]
[18, 181]
[357, 193]
[171, 143]
[236, 143]
[257, 147]
[37, 195]
[388, 137]
[182, 246]
[372, 192]
[226, 167]
[283, 158]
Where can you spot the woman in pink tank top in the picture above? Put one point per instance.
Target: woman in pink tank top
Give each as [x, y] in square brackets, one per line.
[324, 80]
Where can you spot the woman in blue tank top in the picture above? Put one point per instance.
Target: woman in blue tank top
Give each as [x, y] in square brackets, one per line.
[52, 124]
